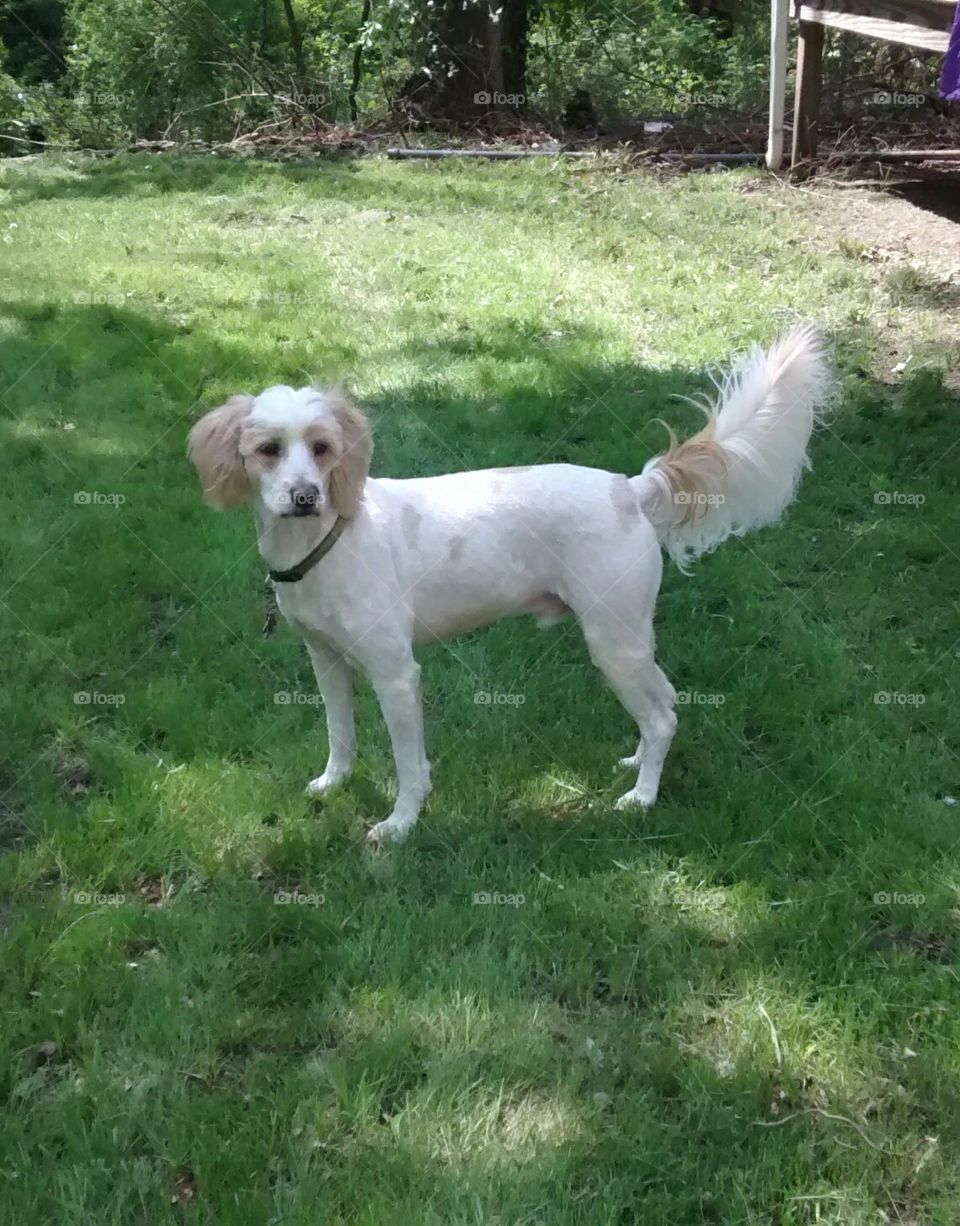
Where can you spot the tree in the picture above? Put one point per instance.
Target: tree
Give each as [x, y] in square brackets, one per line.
[474, 58]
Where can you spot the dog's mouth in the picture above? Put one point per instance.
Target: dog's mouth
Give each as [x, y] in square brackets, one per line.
[300, 510]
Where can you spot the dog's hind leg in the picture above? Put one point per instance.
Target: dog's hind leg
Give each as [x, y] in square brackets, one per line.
[624, 654]
[650, 700]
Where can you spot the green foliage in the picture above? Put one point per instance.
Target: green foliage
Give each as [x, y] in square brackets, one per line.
[139, 67]
[652, 56]
[102, 72]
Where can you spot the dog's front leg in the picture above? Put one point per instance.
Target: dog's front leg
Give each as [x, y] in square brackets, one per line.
[398, 691]
[335, 683]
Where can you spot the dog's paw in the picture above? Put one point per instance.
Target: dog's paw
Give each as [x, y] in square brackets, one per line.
[636, 799]
[633, 762]
[386, 832]
[323, 783]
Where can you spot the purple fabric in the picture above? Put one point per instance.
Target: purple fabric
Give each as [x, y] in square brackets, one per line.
[950, 78]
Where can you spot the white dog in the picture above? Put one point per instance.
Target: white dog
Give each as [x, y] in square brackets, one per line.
[367, 568]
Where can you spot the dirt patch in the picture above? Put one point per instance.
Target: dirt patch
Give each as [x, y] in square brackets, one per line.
[912, 220]
[904, 233]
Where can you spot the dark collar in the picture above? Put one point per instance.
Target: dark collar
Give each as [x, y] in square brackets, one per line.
[296, 573]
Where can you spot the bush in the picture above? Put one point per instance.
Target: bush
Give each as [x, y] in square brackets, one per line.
[652, 57]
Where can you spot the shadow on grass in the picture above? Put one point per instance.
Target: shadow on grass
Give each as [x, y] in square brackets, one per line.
[332, 177]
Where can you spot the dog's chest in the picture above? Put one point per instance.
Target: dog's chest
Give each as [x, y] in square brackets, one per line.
[305, 608]
[312, 612]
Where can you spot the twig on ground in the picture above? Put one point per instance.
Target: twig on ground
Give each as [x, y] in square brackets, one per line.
[773, 1037]
[828, 1115]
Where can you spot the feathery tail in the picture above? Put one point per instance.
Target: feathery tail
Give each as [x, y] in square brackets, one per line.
[742, 469]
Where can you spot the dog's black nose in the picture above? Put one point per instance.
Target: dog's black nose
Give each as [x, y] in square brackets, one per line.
[304, 499]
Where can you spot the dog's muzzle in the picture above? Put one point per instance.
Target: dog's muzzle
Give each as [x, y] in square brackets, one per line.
[304, 500]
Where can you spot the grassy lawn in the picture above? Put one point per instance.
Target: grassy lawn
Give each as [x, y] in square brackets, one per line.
[740, 1007]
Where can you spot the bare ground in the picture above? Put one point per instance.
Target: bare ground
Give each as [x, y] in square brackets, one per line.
[906, 229]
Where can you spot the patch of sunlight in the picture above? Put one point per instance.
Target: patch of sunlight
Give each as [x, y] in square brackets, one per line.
[22, 428]
[555, 791]
[11, 329]
[814, 1061]
[50, 169]
[840, 1207]
[501, 1129]
[474, 1105]
[220, 803]
[717, 912]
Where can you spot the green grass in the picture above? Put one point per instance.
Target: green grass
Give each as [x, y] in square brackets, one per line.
[700, 1014]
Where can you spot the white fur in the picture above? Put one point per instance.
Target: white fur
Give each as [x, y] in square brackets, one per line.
[427, 558]
[760, 427]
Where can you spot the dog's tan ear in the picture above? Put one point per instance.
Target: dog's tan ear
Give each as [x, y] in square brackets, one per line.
[214, 448]
[349, 477]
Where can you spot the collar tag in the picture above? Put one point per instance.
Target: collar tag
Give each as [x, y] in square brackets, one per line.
[271, 608]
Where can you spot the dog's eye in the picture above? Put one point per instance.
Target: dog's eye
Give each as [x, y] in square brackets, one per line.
[270, 449]
[320, 448]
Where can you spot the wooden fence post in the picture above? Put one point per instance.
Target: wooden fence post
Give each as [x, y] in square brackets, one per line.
[807, 103]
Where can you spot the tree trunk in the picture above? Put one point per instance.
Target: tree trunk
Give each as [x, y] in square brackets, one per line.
[475, 53]
[357, 62]
[516, 18]
[296, 45]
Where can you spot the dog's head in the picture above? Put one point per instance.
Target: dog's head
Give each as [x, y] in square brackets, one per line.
[298, 451]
